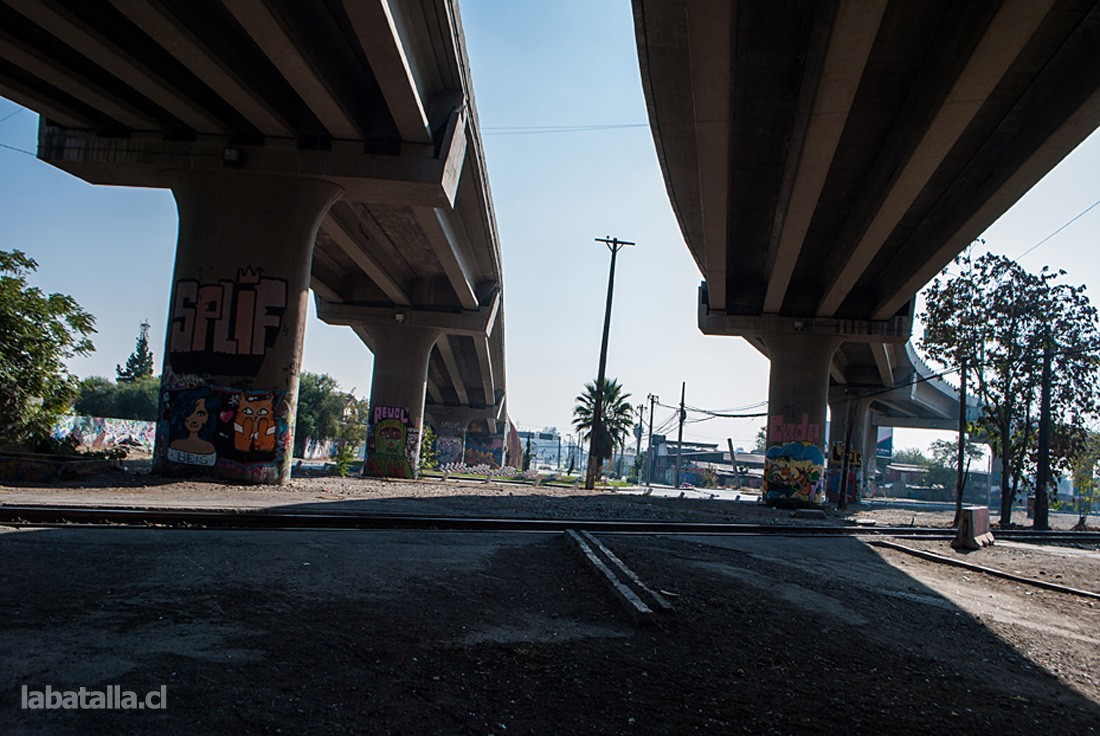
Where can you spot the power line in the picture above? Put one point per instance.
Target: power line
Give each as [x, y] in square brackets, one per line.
[1063, 227]
[19, 150]
[12, 114]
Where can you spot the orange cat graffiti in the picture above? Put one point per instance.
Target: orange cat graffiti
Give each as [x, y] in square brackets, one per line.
[254, 424]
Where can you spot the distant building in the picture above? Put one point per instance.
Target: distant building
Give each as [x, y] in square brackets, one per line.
[546, 448]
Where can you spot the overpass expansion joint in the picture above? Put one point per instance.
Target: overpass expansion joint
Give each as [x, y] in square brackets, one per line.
[894, 330]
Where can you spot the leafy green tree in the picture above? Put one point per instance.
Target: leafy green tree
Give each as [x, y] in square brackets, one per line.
[38, 333]
[761, 445]
[321, 409]
[96, 397]
[943, 465]
[429, 453]
[618, 417]
[100, 397]
[140, 362]
[1086, 478]
[997, 317]
[910, 456]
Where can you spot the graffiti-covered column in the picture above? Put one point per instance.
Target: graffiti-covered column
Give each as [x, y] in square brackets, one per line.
[397, 398]
[450, 424]
[797, 398]
[236, 323]
[841, 410]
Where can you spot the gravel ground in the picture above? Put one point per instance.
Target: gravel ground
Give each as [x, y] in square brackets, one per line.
[447, 633]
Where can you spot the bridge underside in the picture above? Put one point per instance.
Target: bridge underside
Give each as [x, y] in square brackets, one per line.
[826, 159]
[331, 146]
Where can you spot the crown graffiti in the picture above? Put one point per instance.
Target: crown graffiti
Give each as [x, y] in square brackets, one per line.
[248, 275]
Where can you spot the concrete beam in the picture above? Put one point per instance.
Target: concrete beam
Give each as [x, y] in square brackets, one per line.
[448, 356]
[434, 393]
[882, 420]
[709, 24]
[324, 291]
[908, 280]
[268, 32]
[345, 237]
[474, 323]
[372, 22]
[883, 363]
[893, 330]
[450, 245]
[838, 368]
[854, 30]
[55, 110]
[76, 34]
[156, 20]
[411, 179]
[1012, 27]
[485, 365]
[73, 83]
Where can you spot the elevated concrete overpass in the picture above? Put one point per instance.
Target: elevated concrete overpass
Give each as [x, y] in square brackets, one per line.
[826, 159]
[331, 146]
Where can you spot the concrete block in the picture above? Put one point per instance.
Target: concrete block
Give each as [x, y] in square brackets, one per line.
[974, 532]
[639, 612]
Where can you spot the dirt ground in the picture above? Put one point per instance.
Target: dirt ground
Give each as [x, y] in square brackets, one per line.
[448, 633]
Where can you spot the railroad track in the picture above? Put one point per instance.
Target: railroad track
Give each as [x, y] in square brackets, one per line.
[90, 516]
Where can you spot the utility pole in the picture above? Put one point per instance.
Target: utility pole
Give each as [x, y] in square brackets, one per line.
[960, 479]
[638, 449]
[649, 448]
[1042, 474]
[842, 486]
[680, 434]
[733, 462]
[614, 245]
[559, 450]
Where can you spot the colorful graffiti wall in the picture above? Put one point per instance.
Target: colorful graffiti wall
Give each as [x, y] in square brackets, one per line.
[484, 449]
[245, 434]
[393, 444]
[855, 478]
[794, 474]
[449, 441]
[99, 433]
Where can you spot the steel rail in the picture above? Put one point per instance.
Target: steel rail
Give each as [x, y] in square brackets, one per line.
[55, 515]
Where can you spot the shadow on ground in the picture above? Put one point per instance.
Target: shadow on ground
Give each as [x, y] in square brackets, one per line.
[429, 632]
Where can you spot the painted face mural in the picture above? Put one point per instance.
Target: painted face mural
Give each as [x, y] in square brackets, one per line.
[392, 444]
[794, 474]
[254, 424]
[245, 433]
[191, 427]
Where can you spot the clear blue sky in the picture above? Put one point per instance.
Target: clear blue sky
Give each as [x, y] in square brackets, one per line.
[535, 65]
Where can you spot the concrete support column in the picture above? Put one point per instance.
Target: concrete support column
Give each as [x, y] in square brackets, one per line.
[397, 398]
[794, 466]
[450, 431]
[236, 323]
[838, 427]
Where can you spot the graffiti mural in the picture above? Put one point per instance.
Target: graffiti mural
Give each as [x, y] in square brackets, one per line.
[781, 431]
[794, 474]
[225, 327]
[832, 493]
[393, 444]
[449, 442]
[98, 433]
[484, 449]
[245, 434]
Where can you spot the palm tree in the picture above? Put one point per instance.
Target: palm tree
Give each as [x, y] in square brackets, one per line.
[617, 417]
